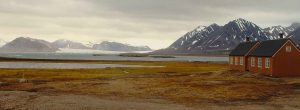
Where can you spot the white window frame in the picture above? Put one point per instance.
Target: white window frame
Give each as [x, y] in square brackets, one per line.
[231, 60]
[267, 63]
[241, 60]
[259, 62]
[236, 62]
[252, 61]
[288, 48]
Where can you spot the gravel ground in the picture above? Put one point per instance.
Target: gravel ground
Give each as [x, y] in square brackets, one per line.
[19, 100]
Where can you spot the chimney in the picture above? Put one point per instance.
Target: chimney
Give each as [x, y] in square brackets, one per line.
[281, 35]
[247, 39]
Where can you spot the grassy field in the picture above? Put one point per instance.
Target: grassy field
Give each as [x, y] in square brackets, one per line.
[178, 82]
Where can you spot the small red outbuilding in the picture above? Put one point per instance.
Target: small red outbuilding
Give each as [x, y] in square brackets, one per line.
[238, 57]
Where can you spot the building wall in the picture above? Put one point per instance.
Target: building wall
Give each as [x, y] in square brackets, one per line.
[263, 69]
[287, 63]
[237, 67]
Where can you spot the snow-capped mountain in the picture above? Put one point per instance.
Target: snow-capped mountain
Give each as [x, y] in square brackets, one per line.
[26, 44]
[195, 37]
[62, 43]
[206, 39]
[90, 44]
[115, 46]
[295, 25]
[275, 30]
[215, 38]
[295, 35]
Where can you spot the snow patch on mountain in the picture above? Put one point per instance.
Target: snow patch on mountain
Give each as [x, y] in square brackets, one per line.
[63, 43]
[115, 46]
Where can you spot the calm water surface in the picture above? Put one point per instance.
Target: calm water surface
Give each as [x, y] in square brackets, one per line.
[62, 65]
[83, 56]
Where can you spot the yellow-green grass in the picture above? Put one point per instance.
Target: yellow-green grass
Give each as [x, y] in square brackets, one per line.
[81, 74]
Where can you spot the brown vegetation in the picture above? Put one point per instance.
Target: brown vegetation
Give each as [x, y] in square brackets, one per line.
[180, 82]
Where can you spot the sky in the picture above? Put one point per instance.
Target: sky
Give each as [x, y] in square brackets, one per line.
[156, 23]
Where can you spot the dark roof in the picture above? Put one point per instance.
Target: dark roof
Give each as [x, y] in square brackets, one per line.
[268, 48]
[242, 49]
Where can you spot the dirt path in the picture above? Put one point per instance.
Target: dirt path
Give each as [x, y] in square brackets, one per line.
[19, 100]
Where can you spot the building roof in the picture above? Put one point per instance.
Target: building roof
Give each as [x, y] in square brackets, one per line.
[268, 48]
[242, 49]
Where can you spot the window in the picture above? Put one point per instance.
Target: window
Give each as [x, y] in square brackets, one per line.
[241, 60]
[252, 61]
[288, 49]
[259, 62]
[231, 60]
[236, 60]
[267, 63]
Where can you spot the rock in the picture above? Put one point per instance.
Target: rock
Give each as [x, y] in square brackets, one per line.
[22, 80]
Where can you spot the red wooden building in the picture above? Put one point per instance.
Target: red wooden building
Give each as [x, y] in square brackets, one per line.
[276, 58]
[238, 57]
[273, 58]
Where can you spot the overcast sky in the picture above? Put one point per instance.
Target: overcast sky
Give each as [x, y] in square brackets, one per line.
[156, 23]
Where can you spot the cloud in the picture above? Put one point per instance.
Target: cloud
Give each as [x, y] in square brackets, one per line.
[156, 23]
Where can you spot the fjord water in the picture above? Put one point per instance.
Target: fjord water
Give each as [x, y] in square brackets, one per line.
[89, 56]
[32, 65]
[84, 56]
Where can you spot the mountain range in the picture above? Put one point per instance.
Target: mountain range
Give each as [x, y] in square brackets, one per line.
[27, 44]
[296, 36]
[221, 39]
[214, 39]
[62, 43]
[115, 46]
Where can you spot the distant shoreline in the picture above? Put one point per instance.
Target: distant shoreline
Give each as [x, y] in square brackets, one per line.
[200, 55]
[12, 59]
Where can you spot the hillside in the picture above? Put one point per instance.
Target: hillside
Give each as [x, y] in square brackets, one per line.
[26, 44]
